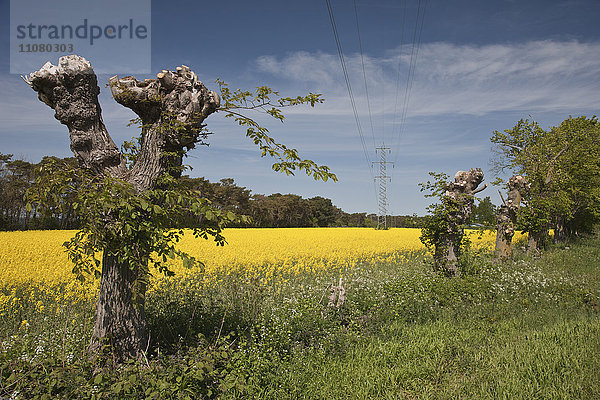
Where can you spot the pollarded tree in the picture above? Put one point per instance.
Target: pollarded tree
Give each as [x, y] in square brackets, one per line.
[443, 230]
[127, 202]
[523, 149]
[506, 217]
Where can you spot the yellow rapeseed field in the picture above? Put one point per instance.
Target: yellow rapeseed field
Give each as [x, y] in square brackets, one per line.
[39, 255]
[39, 259]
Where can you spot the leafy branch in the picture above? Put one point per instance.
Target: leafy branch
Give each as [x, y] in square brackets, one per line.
[269, 101]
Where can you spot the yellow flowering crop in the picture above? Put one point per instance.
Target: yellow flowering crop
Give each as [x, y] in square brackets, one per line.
[301, 248]
[39, 259]
[34, 255]
[39, 256]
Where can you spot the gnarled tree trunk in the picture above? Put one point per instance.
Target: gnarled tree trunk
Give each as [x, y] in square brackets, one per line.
[459, 200]
[507, 215]
[172, 108]
[120, 318]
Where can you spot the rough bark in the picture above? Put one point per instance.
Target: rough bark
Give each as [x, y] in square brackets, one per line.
[459, 200]
[337, 295]
[507, 215]
[120, 318]
[172, 108]
[71, 89]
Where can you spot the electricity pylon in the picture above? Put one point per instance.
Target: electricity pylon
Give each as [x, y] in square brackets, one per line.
[383, 179]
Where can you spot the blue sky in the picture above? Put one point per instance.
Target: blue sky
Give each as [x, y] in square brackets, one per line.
[481, 66]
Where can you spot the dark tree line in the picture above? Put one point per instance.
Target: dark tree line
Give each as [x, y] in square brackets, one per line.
[16, 178]
[266, 211]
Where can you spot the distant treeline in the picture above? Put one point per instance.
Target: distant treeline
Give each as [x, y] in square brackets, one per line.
[272, 211]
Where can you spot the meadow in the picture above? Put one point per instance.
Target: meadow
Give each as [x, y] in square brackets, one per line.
[254, 322]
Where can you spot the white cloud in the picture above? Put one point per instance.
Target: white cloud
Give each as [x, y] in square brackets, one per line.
[317, 68]
[449, 78]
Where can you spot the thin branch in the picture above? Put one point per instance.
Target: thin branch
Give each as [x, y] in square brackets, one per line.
[502, 197]
[146, 351]
[480, 189]
[26, 79]
[254, 106]
[238, 115]
[221, 328]
[511, 146]
[324, 293]
[270, 142]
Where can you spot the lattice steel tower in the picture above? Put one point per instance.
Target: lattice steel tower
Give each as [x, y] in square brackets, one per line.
[383, 179]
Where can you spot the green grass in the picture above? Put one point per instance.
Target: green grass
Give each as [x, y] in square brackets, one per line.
[528, 328]
[514, 359]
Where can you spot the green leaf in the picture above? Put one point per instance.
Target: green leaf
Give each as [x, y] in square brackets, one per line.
[209, 215]
[188, 263]
[117, 387]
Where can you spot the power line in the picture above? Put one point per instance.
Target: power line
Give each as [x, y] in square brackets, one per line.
[382, 78]
[362, 60]
[396, 129]
[416, 44]
[366, 90]
[399, 68]
[347, 79]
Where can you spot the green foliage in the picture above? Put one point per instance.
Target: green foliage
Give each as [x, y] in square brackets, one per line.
[268, 101]
[562, 167]
[137, 228]
[441, 228]
[275, 210]
[55, 184]
[15, 177]
[434, 226]
[512, 143]
[484, 214]
[117, 220]
[202, 372]
[323, 211]
[130, 150]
